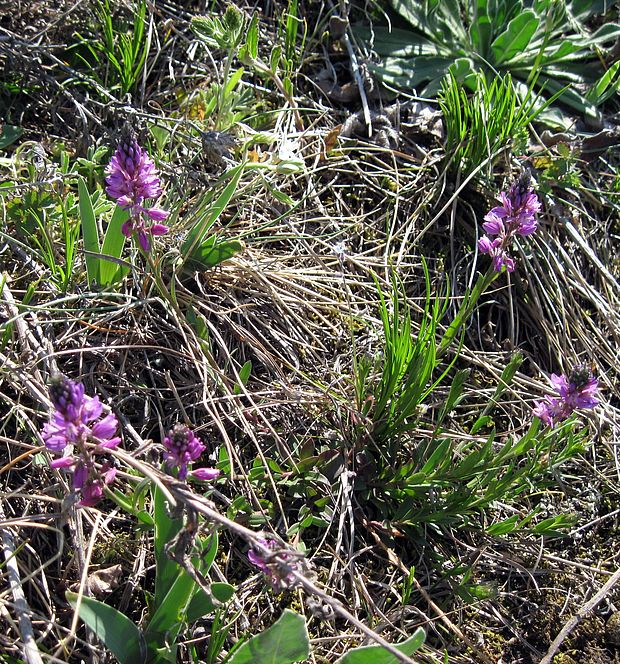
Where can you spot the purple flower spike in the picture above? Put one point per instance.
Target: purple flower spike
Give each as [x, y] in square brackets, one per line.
[71, 420]
[275, 567]
[133, 178]
[515, 216]
[76, 422]
[182, 448]
[578, 390]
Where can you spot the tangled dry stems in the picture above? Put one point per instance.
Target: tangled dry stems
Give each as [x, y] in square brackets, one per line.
[287, 303]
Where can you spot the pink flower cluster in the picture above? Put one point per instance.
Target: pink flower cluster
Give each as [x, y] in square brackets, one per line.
[133, 178]
[578, 390]
[76, 422]
[182, 449]
[515, 216]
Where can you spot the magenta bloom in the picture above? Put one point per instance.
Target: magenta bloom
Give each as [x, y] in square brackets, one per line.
[182, 448]
[275, 567]
[76, 422]
[133, 178]
[204, 474]
[72, 421]
[515, 216]
[578, 390]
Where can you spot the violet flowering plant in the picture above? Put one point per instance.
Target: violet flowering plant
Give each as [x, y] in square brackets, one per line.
[183, 447]
[132, 179]
[76, 422]
[576, 391]
[516, 215]
[278, 565]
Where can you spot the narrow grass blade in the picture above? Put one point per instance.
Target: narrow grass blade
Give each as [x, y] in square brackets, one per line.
[197, 233]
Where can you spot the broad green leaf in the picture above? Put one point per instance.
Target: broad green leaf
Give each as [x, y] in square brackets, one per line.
[213, 252]
[515, 37]
[9, 134]
[202, 605]
[166, 528]
[119, 634]
[411, 73]
[169, 615]
[606, 33]
[379, 655]
[285, 642]
[89, 232]
[568, 96]
[129, 506]
[113, 243]
[479, 423]
[198, 322]
[400, 43]
[442, 21]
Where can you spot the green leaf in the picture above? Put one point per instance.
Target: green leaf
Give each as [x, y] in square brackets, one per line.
[515, 37]
[168, 617]
[399, 43]
[9, 134]
[504, 382]
[504, 527]
[606, 86]
[379, 655]
[197, 233]
[113, 243]
[202, 604]
[213, 252]
[166, 528]
[119, 634]
[252, 38]
[244, 375]
[285, 642]
[89, 232]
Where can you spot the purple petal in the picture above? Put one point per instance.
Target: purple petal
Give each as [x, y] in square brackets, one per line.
[91, 495]
[204, 474]
[159, 229]
[127, 228]
[110, 444]
[63, 462]
[157, 214]
[80, 476]
[106, 427]
[109, 476]
[494, 225]
[91, 409]
[485, 246]
[143, 239]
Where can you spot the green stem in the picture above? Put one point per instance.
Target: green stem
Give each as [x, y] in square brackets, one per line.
[467, 307]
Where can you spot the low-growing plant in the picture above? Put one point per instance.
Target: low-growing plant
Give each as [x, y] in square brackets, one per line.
[239, 38]
[115, 56]
[544, 44]
[481, 126]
